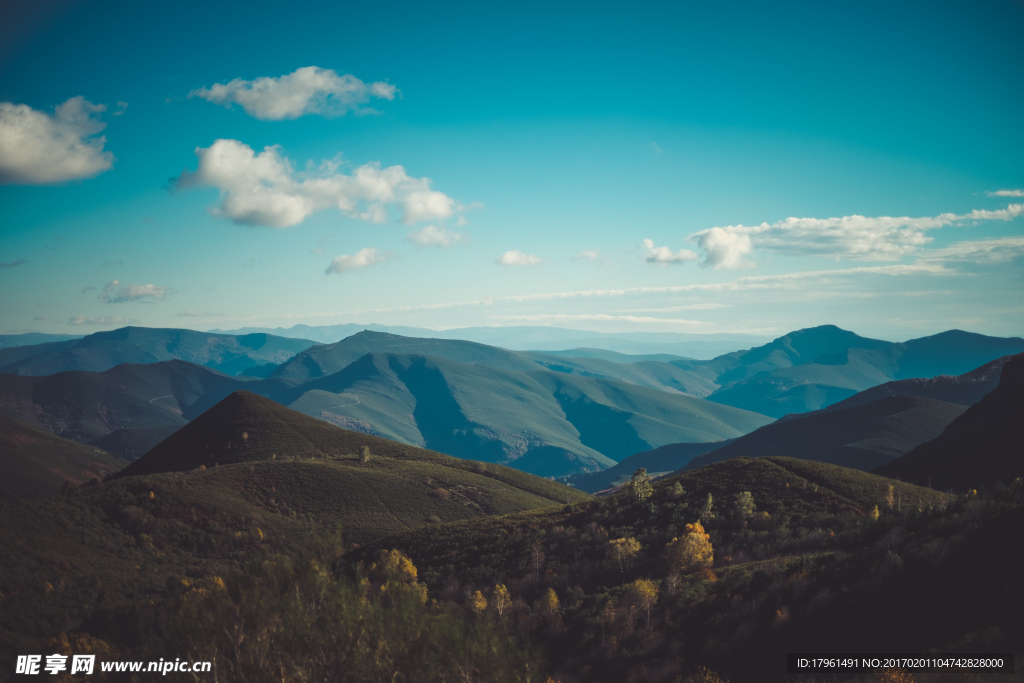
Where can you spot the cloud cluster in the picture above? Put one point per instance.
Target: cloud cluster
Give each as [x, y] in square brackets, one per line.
[882, 238]
[433, 236]
[105, 320]
[518, 258]
[364, 258]
[198, 314]
[37, 148]
[264, 189]
[1006, 193]
[117, 292]
[587, 255]
[980, 252]
[663, 255]
[309, 90]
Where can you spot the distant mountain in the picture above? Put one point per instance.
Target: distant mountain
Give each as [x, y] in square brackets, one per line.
[981, 447]
[230, 354]
[32, 338]
[860, 437]
[327, 359]
[35, 463]
[613, 356]
[523, 338]
[816, 367]
[644, 373]
[544, 422]
[663, 460]
[84, 406]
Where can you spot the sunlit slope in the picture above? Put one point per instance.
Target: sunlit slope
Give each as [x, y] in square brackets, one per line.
[541, 421]
[35, 463]
[101, 351]
[647, 371]
[327, 359]
[860, 437]
[981, 447]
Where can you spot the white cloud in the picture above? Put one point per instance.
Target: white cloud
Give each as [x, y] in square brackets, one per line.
[588, 255]
[264, 189]
[198, 314]
[978, 251]
[309, 90]
[882, 238]
[1006, 193]
[118, 293]
[105, 320]
[41, 317]
[518, 258]
[364, 258]
[664, 255]
[432, 236]
[724, 249]
[37, 148]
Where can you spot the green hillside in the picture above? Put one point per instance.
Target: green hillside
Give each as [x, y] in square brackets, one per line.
[644, 372]
[860, 437]
[804, 562]
[35, 463]
[230, 354]
[982, 447]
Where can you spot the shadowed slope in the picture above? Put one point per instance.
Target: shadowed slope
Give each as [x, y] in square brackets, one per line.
[979, 448]
[34, 463]
[860, 437]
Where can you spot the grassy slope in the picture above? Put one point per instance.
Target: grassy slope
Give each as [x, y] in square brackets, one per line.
[35, 463]
[861, 437]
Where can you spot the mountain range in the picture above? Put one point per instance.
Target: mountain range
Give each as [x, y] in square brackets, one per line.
[230, 354]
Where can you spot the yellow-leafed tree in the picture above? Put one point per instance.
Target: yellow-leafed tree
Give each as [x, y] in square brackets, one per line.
[620, 553]
[691, 551]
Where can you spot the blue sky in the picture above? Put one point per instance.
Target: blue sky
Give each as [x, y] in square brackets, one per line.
[663, 167]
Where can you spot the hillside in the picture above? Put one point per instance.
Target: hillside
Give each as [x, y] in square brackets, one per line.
[860, 437]
[85, 406]
[33, 338]
[798, 566]
[543, 422]
[35, 463]
[613, 356]
[230, 354]
[662, 460]
[654, 374]
[980, 448]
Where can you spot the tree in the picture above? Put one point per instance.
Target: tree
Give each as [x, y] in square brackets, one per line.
[706, 514]
[550, 606]
[502, 599]
[639, 486]
[890, 498]
[874, 514]
[690, 552]
[643, 594]
[365, 457]
[478, 603]
[677, 490]
[744, 506]
[620, 553]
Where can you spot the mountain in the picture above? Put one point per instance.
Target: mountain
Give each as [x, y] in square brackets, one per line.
[645, 373]
[540, 421]
[859, 437]
[327, 359]
[32, 338]
[613, 356]
[231, 354]
[523, 338]
[35, 463]
[980, 448]
[657, 461]
[85, 406]
[816, 367]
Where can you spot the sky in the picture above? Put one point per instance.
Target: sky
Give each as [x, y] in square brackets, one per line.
[667, 167]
